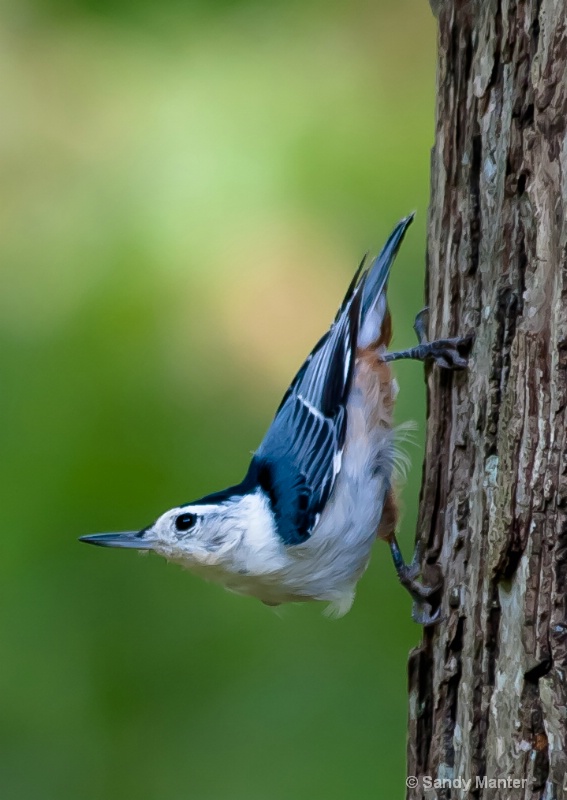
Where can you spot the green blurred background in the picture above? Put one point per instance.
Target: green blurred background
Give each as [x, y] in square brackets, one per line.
[186, 191]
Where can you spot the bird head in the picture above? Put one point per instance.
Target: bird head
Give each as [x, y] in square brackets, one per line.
[194, 533]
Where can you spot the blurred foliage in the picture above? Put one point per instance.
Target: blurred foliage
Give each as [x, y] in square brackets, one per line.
[186, 190]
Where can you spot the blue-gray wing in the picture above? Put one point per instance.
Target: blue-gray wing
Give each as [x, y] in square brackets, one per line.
[299, 458]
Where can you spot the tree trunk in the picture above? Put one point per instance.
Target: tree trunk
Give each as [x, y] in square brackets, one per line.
[488, 685]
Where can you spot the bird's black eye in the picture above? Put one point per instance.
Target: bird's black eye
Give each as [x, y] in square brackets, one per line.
[185, 522]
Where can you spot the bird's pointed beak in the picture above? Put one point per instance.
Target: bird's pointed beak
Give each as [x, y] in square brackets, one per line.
[135, 540]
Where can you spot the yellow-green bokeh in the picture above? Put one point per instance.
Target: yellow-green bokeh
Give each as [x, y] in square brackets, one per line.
[186, 191]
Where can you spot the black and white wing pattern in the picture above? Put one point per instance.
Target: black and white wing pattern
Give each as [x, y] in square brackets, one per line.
[300, 456]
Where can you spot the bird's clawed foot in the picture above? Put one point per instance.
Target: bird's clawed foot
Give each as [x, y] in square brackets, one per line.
[408, 574]
[447, 353]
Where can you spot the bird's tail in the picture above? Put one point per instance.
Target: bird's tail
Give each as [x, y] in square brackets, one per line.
[374, 310]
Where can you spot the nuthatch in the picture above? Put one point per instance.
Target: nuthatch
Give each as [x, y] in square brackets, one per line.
[318, 491]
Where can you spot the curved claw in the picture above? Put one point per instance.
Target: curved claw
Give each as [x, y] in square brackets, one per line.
[420, 325]
[419, 591]
[408, 575]
[422, 614]
[450, 353]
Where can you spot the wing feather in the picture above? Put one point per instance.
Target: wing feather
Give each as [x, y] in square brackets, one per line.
[299, 458]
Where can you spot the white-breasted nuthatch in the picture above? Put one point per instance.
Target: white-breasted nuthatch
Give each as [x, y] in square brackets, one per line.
[318, 491]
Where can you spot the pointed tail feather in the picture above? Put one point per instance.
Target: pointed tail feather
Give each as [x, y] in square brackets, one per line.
[356, 279]
[374, 299]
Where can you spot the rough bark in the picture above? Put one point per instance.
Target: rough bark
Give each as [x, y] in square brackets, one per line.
[488, 685]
